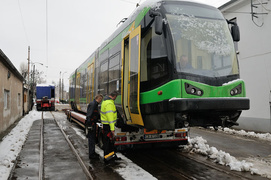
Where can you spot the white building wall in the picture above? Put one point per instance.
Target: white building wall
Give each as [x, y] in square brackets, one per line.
[254, 61]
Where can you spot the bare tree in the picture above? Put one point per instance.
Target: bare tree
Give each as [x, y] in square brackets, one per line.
[38, 77]
[24, 69]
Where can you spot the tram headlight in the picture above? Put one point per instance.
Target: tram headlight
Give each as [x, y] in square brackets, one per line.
[236, 90]
[190, 89]
[193, 90]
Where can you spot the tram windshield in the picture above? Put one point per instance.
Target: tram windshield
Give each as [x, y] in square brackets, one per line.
[202, 42]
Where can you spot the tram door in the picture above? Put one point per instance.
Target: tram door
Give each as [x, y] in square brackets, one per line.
[131, 77]
[90, 91]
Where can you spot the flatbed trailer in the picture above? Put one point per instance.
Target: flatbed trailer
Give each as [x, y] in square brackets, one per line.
[140, 138]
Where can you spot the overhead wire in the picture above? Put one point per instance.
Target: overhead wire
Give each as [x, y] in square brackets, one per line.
[23, 21]
[47, 39]
[128, 1]
[263, 6]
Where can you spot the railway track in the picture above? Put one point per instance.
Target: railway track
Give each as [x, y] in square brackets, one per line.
[80, 160]
[62, 154]
[174, 164]
[48, 153]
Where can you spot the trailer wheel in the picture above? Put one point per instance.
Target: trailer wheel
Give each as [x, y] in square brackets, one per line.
[69, 117]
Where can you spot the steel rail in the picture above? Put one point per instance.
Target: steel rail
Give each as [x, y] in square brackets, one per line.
[180, 173]
[81, 162]
[228, 172]
[41, 149]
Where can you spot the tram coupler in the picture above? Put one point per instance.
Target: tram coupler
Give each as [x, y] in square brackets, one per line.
[226, 122]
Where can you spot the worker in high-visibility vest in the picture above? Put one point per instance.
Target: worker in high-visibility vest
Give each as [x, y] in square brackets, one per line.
[108, 119]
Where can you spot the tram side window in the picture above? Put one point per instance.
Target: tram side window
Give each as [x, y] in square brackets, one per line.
[157, 58]
[154, 57]
[114, 72]
[72, 87]
[103, 78]
[84, 85]
[77, 88]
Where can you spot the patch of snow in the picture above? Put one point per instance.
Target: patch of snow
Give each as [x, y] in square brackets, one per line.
[262, 136]
[263, 166]
[127, 169]
[252, 165]
[12, 143]
[230, 82]
[44, 85]
[47, 115]
[251, 134]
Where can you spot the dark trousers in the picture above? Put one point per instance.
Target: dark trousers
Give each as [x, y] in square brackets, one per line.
[91, 141]
[108, 144]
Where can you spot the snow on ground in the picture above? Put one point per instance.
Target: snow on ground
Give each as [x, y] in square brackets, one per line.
[126, 168]
[200, 146]
[261, 136]
[11, 144]
[252, 165]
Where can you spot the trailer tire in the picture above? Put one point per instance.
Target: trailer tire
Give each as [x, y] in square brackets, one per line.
[69, 117]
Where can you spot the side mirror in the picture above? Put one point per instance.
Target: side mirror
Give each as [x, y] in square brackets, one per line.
[235, 33]
[158, 25]
[158, 21]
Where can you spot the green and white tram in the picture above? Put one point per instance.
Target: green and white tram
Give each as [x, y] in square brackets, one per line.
[174, 65]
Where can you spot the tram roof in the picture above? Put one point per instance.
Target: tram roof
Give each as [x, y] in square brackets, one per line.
[127, 23]
[135, 13]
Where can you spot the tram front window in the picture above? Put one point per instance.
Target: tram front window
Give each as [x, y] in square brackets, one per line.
[202, 42]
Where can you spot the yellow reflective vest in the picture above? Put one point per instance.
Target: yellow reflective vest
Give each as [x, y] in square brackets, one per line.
[109, 113]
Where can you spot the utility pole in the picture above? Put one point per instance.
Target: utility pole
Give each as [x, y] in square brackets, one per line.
[28, 59]
[28, 84]
[60, 87]
[33, 83]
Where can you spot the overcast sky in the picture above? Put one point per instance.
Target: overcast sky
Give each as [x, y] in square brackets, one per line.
[76, 28]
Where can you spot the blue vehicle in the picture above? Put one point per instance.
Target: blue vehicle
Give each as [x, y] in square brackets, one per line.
[45, 97]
